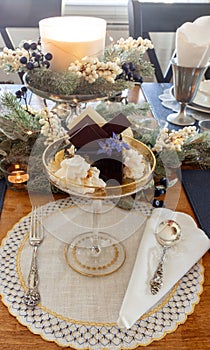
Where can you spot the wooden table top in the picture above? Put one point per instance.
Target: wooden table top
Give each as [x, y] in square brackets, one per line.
[192, 335]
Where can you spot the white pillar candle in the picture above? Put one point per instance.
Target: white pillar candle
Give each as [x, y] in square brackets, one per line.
[70, 38]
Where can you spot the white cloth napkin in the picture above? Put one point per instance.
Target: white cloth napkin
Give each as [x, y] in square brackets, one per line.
[180, 258]
[193, 43]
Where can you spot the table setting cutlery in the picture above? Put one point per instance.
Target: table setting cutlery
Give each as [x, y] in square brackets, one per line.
[36, 235]
[168, 233]
[61, 304]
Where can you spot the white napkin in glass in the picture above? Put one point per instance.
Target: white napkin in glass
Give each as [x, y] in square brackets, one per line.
[193, 43]
[180, 258]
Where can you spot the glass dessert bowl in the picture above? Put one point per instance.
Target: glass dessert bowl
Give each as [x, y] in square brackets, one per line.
[95, 252]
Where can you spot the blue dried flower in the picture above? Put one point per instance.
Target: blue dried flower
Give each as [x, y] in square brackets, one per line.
[105, 147]
[113, 143]
[118, 143]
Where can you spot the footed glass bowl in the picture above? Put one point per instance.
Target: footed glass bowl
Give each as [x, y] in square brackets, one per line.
[71, 99]
[65, 105]
[128, 186]
[95, 252]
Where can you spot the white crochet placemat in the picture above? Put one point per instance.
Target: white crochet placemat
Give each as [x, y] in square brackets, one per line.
[80, 311]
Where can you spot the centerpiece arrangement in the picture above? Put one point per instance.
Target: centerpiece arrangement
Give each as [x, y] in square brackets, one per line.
[21, 127]
[121, 64]
[103, 76]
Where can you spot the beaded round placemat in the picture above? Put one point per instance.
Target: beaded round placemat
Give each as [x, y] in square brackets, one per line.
[68, 331]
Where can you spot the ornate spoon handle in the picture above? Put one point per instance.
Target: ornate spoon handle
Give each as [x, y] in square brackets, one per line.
[157, 281]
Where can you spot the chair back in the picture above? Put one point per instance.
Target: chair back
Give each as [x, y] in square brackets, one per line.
[25, 14]
[146, 18]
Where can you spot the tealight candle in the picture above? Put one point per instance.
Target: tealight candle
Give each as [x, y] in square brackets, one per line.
[70, 38]
[18, 176]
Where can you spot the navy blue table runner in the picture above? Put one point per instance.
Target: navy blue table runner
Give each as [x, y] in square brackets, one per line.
[196, 182]
[3, 187]
[197, 187]
[151, 92]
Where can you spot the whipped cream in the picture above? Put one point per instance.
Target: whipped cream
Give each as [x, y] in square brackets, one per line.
[73, 168]
[93, 179]
[133, 164]
[76, 170]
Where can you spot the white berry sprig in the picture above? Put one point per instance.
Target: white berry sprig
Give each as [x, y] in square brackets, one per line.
[10, 59]
[90, 68]
[51, 126]
[174, 140]
[140, 44]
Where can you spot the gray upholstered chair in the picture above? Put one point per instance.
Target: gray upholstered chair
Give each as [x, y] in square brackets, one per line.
[25, 14]
[146, 18]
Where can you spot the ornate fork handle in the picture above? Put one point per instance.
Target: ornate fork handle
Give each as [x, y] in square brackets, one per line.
[157, 281]
[32, 296]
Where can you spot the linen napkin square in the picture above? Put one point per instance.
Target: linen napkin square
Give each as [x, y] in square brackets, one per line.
[193, 43]
[179, 259]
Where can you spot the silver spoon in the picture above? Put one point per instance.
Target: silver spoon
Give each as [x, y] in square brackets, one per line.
[167, 234]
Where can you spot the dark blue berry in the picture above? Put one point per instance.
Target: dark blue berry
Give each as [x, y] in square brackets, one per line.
[26, 46]
[30, 66]
[159, 191]
[33, 46]
[48, 56]
[137, 78]
[132, 66]
[162, 190]
[164, 182]
[37, 57]
[125, 67]
[24, 89]
[23, 60]
[18, 94]
[46, 64]
[157, 204]
[130, 75]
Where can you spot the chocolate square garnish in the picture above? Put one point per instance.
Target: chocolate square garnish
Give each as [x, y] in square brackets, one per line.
[117, 125]
[87, 134]
[87, 120]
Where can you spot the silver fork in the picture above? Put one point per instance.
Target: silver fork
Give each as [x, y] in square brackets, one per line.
[32, 295]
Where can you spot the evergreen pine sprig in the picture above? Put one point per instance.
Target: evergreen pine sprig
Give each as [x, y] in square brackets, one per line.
[67, 84]
[15, 121]
[194, 154]
[143, 67]
[64, 83]
[109, 110]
